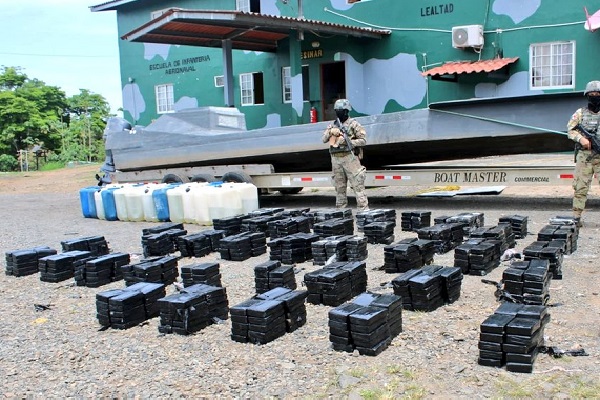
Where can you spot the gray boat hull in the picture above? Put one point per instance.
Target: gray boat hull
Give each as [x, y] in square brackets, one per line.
[534, 124]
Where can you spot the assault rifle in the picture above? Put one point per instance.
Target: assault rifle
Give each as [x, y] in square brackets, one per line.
[594, 141]
[344, 131]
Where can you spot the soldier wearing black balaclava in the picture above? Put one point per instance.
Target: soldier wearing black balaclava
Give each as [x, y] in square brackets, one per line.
[584, 122]
[346, 152]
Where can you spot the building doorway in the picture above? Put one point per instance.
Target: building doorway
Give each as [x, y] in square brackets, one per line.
[333, 87]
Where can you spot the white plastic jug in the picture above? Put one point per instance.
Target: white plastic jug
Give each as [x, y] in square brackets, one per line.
[233, 204]
[99, 204]
[120, 202]
[99, 199]
[135, 205]
[249, 194]
[201, 198]
[150, 212]
[175, 200]
[189, 201]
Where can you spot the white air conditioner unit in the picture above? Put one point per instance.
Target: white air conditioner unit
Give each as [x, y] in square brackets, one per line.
[467, 36]
[219, 81]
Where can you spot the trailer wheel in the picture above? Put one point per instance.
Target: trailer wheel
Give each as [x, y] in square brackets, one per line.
[237, 177]
[294, 190]
[172, 178]
[203, 178]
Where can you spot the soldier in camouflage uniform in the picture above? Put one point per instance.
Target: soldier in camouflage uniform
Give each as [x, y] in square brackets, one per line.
[587, 160]
[345, 161]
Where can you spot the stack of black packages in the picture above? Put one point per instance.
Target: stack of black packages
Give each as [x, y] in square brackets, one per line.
[402, 288]
[215, 237]
[236, 247]
[518, 224]
[231, 225]
[380, 232]
[96, 245]
[553, 251]
[157, 244]
[341, 248]
[477, 256]
[208, 273]
[468, 220]
[292, 249]
[263, 212]
[288, 226]
[271, 274]
[259, 223]
[502, 233]
[126, 308]
[366, 217]
[444, 236]
[327, 214]
[563, 233]
[367, 324]
[268, 316]
[512, 335]
[194, 245]
[336, 283]
[334, 227]
[409, 253]
[97, 271]
[243, 245]
[428, 288]
[193, 309]
[153, 269]
[528, 282]
[356, 248]
[58, 267]
[412, 220]
[568, 223]
[26, 261]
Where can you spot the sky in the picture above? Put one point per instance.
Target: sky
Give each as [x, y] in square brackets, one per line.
[64, 44]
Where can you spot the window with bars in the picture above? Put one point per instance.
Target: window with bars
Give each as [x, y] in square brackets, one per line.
[286, 83]
[164, 98]
[252, 90]
[552, 65]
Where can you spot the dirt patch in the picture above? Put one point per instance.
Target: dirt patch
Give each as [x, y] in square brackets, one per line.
[56, 181]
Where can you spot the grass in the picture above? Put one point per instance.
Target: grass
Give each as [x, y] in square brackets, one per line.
[573, 386]
[51, 166]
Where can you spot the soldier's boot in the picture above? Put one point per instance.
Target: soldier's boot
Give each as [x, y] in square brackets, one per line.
[577, 218]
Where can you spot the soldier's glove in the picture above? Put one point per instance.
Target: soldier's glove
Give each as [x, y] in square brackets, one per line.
[335, 131]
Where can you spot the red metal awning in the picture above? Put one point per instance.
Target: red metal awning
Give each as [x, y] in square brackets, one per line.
[469, 67]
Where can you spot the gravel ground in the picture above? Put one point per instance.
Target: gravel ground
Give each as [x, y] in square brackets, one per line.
[61, 352]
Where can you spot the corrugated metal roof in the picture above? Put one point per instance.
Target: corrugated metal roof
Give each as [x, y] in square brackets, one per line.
[247, 31]
[469, 67]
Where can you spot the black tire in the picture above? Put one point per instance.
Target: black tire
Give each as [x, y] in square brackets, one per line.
[237, 177]
[294, 190]
[203, 178]
[172, 178]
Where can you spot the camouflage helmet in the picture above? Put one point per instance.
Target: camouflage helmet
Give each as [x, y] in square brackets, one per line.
[344, 104]
[592, 86]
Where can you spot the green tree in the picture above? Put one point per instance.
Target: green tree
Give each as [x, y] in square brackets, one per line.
[88, 112]
[28, 112]
[33, 113]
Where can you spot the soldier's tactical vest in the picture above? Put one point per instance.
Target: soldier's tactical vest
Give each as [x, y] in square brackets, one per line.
[590, 121]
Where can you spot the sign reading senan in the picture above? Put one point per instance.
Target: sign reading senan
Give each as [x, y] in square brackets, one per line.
[318, 53]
